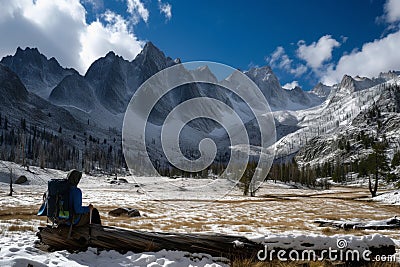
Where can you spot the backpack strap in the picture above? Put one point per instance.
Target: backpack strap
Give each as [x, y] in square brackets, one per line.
[70, 227]
[71, 215]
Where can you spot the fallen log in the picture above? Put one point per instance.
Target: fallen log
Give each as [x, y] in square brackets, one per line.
[123, 240]
[392, 223]
[217, 245]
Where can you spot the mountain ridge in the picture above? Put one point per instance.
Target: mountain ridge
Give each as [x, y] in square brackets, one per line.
[100, 97]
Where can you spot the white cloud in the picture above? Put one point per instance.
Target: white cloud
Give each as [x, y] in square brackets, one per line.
[166, 9]
[291, 85]
[392, 11]
[98, 39]
[59, 29]
[299, 70]
[279, 59]
[374, 57]
[138, 11]
[317, 53]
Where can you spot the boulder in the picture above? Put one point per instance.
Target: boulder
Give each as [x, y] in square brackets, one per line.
[119, 181]
[20, 180]
[124, 212]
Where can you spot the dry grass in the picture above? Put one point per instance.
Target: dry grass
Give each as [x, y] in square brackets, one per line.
[23, 213]
[250, 215]
[20, 228]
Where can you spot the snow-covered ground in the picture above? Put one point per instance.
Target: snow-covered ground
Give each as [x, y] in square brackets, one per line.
[280, 211]
[19, 250]
[389, 197]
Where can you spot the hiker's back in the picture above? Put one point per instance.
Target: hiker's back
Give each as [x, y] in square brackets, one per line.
[57, 206]
[63, 202]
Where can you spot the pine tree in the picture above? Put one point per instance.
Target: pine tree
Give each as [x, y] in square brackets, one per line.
[377, 165]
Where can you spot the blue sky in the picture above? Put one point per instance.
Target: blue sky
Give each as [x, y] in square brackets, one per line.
[304, 41]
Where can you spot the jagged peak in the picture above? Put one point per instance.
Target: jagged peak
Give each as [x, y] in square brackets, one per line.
[346, 77]
[204, 72]
[110, 54]
[263, 69]
[297, 88]
[263, 74]
[31, 52]
[28, 49]
[150, 49]
[347, 81]
[320, 84]
[321, 90]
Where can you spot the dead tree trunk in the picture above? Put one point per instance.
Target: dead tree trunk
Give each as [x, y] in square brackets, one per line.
[11, 184]
[373, 189]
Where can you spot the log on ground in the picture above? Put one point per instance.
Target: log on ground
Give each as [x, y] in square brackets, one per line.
[217, 245]
[123, 240]
[387, 224]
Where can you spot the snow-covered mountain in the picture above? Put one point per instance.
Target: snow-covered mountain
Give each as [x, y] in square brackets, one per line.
[39, 74]
[345, 115]
[18, 103]
[322, 90]
[103, 93]
[308, 123]
[279, 98]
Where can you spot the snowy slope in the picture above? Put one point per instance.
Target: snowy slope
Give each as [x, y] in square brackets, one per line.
[341, 114]
[279, 98]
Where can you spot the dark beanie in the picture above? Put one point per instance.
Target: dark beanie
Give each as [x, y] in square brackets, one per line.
[74, 177]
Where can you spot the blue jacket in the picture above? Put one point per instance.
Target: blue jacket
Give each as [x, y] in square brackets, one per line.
[75, 200]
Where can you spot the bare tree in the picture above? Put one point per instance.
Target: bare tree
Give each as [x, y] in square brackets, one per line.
[11, 183]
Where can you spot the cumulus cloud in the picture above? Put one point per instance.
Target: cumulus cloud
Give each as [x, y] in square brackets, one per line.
[380, 55]
[59, 29]
[317, 53]
[392, 11]
[374, 57]
[138, 11]
[291, 85]
[97, 39]
[166, 9]
[279, 59]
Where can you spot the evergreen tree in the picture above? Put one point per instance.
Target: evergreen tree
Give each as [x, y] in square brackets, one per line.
[377, 165]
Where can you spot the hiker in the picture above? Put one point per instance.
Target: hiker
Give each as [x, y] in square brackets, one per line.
[62, 203]
[82, 214]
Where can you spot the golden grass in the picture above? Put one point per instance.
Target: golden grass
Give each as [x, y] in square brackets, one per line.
[283, 212]
[20, 228]
[250, 215]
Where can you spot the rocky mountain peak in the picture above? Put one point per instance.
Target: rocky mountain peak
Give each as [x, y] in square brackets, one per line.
[204, 72]
[151, 55]
[347, 82]
[322, 90]
[39, 74]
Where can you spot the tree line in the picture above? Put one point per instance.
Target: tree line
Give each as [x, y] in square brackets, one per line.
[32, 145]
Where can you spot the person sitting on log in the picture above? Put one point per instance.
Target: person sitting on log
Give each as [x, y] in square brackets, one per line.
[82, 213]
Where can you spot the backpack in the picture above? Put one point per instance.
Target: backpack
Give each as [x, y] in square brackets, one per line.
[56, 202]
